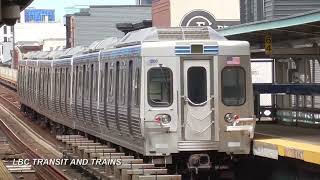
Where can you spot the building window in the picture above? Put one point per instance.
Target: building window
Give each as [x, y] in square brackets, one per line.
[5, 29]
[5, 39]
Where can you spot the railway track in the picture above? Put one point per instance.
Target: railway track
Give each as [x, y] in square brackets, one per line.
[74, 147]
[34, 147]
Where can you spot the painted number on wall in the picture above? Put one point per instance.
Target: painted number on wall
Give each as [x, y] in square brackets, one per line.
[268, 44]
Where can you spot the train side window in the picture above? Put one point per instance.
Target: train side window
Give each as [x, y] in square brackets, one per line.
[160, 87]
[197, 84]
[233, 86]
[137, 87]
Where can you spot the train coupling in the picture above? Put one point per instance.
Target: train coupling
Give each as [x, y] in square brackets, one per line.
[199, 162]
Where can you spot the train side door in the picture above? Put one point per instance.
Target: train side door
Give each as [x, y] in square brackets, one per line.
[197, 119]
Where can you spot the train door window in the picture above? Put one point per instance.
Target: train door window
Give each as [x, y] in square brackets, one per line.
[59, 84]
[160, 86]
[76, 89]
[67, 83]
[122, 85]
[197, 84]
[233, 86]
[91, 84]
[48, 87]
[130, 84]
[111, 84]
[104, 83]
[137, 87]
[117, 82]
[43, 82]
[83, 79]
[62, 83]
[34, 83]
[96, 81]
[86, 82]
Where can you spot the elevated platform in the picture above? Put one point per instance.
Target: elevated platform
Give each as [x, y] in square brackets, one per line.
[274, 140]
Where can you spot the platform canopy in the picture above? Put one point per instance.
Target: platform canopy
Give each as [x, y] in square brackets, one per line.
[301, 30]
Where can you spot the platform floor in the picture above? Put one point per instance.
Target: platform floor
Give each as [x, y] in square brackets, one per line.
[274, 140]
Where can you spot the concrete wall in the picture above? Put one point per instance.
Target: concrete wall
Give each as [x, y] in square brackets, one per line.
[227, 10]
[215, 13]
[39, 31]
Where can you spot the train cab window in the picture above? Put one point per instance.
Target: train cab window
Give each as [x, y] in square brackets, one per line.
[160, 87]
[233, 86]
[197, 85]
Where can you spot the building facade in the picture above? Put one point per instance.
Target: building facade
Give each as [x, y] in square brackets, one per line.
[99, 22]
[39, 15]
[45, 32]
[214, 13]
[257, 10]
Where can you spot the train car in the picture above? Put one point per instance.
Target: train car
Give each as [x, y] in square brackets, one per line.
[167, 92]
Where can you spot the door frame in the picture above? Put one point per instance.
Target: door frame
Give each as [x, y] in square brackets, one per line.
[214, 133]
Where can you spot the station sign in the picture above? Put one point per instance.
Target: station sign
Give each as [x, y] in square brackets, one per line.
[268, 44]
[204, 18]
[199, 18]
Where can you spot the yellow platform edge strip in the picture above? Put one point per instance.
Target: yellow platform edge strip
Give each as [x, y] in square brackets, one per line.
[293, 149]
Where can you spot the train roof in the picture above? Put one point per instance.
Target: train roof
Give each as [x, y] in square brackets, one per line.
[171, 34]
[152, 34]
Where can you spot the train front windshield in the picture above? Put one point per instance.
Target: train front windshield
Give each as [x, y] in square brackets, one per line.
[160, 87]
[233, 86]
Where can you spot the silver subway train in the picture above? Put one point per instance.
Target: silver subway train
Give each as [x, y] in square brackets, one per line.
[158, 92]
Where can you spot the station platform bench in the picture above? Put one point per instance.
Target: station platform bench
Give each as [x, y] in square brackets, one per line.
[274, 140]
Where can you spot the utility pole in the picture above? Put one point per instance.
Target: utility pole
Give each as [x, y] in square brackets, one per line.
[13, 61]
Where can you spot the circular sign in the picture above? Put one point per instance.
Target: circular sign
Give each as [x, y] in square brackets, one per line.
[199, 18]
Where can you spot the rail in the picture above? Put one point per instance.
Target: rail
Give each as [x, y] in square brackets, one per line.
[46, 172]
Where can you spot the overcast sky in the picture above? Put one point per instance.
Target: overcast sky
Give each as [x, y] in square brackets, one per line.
[59, 5]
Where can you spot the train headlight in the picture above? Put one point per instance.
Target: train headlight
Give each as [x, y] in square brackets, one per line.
[229, 117]
[163, 118]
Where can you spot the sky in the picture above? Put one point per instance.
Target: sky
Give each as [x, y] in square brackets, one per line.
[59, 5]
